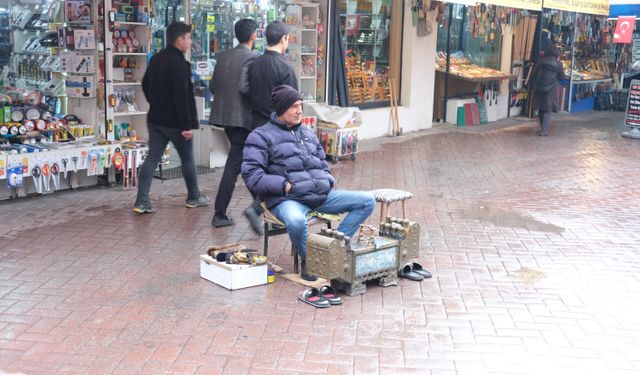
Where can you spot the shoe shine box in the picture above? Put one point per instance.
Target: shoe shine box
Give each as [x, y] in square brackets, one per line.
[232, 276]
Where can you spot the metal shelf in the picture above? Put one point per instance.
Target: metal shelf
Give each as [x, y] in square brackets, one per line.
[130, 54]
[124, 114]
[127, 83]
[130, 23]
[577, 82]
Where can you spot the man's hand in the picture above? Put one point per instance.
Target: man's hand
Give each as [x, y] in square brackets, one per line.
[287, 187]
[187, 134]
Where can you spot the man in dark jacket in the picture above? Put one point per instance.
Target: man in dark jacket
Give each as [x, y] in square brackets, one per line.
[284, 164]
[546, 75]
[172, 116]
[262, 76]
[231, 111]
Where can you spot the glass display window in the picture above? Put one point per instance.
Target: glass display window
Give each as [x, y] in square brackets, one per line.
[475, 35]
[366, 31]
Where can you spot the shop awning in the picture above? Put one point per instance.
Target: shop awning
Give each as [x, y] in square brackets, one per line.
[599, 7]
[618, 8]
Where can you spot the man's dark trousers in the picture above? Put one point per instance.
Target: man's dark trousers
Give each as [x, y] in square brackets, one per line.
[159, 137]
[237, 137]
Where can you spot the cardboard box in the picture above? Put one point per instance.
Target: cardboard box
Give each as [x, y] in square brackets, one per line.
[232, 276]
[338, 142]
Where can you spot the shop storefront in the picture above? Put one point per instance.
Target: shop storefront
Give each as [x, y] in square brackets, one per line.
[588, 53]
[483, 54]
[486, 52]
[72, 108]
[625, 15]
[52, 97]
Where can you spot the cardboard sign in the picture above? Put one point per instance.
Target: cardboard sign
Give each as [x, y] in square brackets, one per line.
[632, 115]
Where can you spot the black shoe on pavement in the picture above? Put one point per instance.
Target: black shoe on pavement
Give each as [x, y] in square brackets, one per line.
[303, 273]
[220, 220]
[202, 201]
[143, 208]
[254, 220]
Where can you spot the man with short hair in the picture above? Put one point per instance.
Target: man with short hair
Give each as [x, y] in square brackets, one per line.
[264, 74]
[284, 164]
[172, 116]
[231, 111]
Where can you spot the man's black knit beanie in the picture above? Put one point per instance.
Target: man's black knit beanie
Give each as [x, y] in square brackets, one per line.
[283, 97]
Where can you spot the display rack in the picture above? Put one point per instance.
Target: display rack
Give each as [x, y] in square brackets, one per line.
[302, 20]
[127, 45]
[51, 102]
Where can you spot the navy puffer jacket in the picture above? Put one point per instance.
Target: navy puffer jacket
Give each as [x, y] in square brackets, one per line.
[275, 154]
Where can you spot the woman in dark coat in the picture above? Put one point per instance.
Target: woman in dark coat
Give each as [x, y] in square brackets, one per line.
[546, 75]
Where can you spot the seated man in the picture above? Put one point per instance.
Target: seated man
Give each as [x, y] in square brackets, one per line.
[284, 164]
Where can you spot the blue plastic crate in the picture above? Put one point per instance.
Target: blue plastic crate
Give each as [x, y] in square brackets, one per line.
[581, 105]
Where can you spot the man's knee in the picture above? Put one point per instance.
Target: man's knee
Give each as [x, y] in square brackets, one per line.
[368, 202]
[296, 223]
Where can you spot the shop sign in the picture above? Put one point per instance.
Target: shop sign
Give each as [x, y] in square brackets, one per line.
[619, 8]
[632, 115]
[600, 7]
[203, 69]
[211, 23]
[624, 30]
[519, 4]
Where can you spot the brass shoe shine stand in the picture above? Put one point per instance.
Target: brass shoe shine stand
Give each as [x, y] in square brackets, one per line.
[377, 254]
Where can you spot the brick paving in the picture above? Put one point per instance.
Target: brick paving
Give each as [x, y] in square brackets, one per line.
[533, 243]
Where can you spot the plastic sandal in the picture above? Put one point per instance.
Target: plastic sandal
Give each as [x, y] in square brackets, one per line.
[408, 273]
[312, 297]
[329, 294]
[417, 268]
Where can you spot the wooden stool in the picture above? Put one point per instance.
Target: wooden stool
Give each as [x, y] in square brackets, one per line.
[274, 227]
[388, 196]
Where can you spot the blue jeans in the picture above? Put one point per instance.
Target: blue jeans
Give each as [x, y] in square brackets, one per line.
[359, 205]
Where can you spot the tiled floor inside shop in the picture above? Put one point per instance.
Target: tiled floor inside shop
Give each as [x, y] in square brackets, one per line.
[534, 243]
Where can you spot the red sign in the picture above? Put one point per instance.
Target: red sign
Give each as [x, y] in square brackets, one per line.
[624, 30]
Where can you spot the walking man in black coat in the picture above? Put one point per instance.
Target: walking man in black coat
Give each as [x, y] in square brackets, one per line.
[264, 74]
[231, 111]
[172, 116]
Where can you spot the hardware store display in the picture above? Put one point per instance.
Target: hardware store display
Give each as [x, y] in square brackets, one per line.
[51, 98]
[127, 44]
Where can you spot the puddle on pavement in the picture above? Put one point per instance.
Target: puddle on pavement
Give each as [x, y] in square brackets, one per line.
[528, 275]
[491, 213]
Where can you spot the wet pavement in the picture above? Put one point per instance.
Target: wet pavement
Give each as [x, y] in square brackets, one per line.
[533, 243]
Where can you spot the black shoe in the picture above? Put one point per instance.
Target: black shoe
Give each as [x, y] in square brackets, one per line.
[220, 220]
[254, 220]
[143, 208]
[303, 273]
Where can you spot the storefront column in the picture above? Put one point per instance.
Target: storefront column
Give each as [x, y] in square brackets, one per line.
[505, 59]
